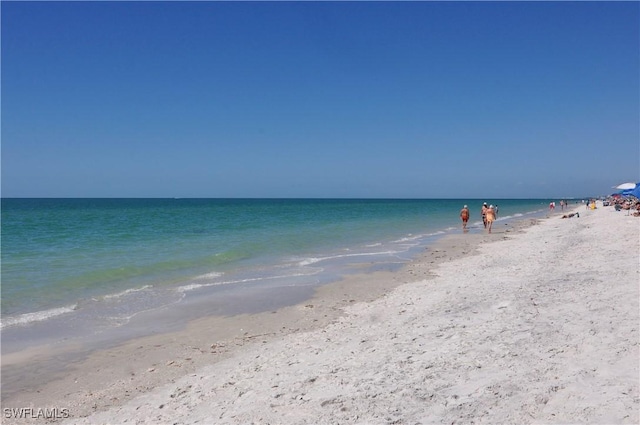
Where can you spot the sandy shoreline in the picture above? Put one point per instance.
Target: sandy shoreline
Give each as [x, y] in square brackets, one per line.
[205, 341]
[530, 330]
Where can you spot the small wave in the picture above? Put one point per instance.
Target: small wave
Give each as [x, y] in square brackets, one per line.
[211, 275]
[313, 260]
[509, 217]
[408, 238]
[192, 286]
[128, 291]
[36, 316]
[412, 238]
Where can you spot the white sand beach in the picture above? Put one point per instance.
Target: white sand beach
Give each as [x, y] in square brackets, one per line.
[538, 326]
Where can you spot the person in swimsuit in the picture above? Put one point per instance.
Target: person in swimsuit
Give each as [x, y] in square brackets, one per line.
[484, 214]
[464, 215]
[491, 217]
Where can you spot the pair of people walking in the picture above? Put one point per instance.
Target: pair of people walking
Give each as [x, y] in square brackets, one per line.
[489, 214]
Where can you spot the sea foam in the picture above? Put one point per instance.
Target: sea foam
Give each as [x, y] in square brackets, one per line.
[36, 316]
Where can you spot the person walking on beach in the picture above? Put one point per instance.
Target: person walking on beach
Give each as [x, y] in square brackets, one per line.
[483, 211]
[491, 217]
[464, 215]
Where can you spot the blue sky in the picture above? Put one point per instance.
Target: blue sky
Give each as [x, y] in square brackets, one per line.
[319, 99]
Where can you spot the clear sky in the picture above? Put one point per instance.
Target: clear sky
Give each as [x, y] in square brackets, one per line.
[319, 99]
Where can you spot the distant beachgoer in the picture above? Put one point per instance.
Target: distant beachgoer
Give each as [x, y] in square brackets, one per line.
[491, 217]
[495, 210]
[464, 215]
[571, 215]
[483, 211]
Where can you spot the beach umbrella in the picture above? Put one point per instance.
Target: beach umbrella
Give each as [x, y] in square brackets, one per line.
[626, 186]
[634, 192]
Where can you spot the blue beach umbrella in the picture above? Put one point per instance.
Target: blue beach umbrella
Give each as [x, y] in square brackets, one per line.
[633, 192]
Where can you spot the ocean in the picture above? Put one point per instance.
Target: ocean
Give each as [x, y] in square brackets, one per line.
[91, 268]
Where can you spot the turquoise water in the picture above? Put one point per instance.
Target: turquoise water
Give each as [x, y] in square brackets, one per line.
[109, 259]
